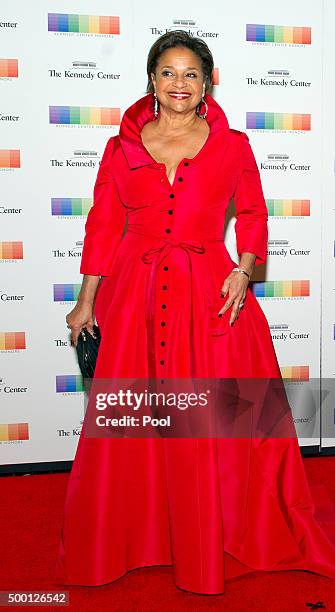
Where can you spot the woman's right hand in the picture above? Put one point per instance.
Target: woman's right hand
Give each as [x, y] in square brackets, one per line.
[80, 316]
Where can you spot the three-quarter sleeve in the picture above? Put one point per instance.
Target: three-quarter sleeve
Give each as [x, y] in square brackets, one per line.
[105, 221]
[251, 226]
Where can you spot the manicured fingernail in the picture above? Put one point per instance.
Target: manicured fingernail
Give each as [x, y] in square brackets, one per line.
[220, 314]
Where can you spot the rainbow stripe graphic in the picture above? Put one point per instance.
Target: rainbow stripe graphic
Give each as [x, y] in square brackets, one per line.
[11, 250]
[88, 24]
[14, 431]
[216, 77]
[70, 206]
[286, 288]
[84, 115]
[295, 372]
[10, 158]
[66, 293]
[278, 121]
[69, 383]
[258, 32]
[9, 68]
[288, 208]
[12, 340]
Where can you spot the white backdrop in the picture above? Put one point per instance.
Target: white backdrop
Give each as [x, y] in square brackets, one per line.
[282, 70]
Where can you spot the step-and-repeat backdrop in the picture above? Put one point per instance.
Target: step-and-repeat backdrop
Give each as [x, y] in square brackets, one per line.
[68, 71]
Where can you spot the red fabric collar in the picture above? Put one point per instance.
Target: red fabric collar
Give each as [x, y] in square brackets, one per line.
[139, 113]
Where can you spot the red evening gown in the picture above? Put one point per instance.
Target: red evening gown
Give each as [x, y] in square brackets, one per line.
[212, 508]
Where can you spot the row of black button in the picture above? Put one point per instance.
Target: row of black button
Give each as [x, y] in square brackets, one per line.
[165, 268]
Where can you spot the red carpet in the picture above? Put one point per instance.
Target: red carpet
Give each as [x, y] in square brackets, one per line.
[31, 512]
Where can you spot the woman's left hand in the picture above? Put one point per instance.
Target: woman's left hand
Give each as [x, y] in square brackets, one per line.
[235, 285]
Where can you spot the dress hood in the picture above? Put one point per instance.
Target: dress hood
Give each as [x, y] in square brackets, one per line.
[139, 113]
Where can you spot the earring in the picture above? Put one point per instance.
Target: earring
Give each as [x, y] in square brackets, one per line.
[155, 105]
[202, 101]
[202, 115]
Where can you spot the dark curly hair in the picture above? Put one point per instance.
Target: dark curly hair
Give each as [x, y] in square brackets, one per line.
[180, 38]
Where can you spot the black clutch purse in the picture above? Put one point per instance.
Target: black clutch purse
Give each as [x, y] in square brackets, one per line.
[87, 351]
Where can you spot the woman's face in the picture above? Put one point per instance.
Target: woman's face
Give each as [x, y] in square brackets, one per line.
[179, 80]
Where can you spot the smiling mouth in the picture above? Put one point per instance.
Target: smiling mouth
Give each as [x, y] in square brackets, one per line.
[179, 95]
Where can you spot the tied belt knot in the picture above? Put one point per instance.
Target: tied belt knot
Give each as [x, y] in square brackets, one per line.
[151, 254]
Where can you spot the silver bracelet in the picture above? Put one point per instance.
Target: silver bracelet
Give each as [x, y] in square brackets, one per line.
[242, 271]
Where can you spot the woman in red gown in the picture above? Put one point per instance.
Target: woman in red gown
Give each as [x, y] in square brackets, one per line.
[211, 507]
